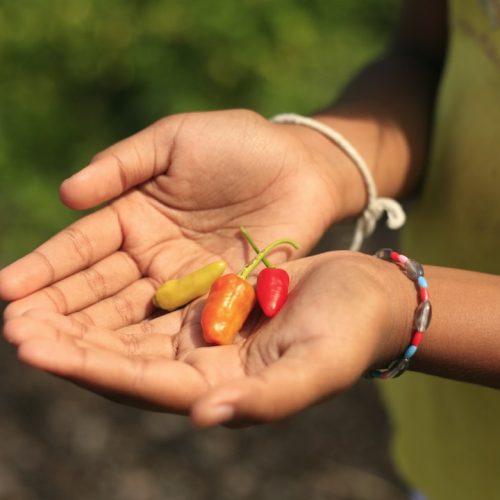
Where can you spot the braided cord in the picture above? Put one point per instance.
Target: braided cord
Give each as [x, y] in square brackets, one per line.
[375, 207]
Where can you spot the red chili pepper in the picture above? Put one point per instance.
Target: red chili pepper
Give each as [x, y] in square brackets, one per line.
[230, 301]
[272, 284]
[272, 290]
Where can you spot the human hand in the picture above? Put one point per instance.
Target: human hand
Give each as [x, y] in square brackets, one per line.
[343, 315]
[180, 190]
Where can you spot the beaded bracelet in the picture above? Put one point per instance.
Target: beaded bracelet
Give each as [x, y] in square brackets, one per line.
[423, 313]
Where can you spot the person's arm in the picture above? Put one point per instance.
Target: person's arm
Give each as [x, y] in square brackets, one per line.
[346, 312]
[386, 111]
[180, 187]
[463, 340]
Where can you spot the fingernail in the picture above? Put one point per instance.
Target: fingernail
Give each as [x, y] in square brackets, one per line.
[220, 413]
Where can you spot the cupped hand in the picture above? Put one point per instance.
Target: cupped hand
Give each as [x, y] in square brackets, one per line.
[338, 321]
[177, 193]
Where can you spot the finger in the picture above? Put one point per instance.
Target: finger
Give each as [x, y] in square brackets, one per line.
[21, 328]
[148, 338]
[184, 323]
[131, 305]
[50, 325]
[104, 279]
[282, 389]
[75, 248]
[159, 383]
[126, 164]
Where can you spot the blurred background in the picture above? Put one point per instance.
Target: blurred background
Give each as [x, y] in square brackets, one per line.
[76, 76]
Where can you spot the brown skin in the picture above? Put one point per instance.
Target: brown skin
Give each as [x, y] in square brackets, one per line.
[186, 191]
[170, 368]
[167, 366]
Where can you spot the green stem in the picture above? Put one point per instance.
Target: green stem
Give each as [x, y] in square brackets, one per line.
[247, 236]
[245, 272]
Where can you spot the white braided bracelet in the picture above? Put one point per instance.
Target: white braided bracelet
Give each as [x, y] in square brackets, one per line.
[375, 207]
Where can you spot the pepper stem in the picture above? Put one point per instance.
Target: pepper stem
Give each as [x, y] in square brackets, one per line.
[250, 241]
[245, 272]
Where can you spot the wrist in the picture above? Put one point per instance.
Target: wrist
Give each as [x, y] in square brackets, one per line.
[418, 323]
[385, 304]
[344, 181]
[350, 185]
[375, 205]
[401, 296]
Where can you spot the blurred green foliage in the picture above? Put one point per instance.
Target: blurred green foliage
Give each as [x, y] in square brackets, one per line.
[77, 75]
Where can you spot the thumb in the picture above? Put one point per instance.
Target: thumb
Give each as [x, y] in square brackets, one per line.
[278, 391]
[127, 163]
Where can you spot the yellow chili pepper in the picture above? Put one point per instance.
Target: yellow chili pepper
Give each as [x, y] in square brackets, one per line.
[177, 293]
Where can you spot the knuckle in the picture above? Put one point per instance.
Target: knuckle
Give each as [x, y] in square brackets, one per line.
[57, 298]
[128, 262]
[81, 244]
[96, 283]
[146, 328]
[123, 173]
[47, 264]
[83, 317]
[131, 344]
[124, 309]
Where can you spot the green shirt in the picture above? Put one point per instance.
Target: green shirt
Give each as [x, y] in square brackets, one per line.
[447, 441]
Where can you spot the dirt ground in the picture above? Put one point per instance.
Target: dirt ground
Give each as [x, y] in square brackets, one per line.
[60, 442]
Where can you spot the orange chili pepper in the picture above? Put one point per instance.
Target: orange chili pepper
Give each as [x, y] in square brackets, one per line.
[228, 305]
[230, 301]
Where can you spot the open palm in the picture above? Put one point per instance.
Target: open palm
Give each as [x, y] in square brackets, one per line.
[179, 189]
[319, 344]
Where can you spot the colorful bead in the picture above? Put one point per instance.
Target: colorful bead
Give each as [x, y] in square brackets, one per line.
[398, 367]
[384, 253]
[417, 338]
[403, 259]
[423, 316]
[395, 256]
[422, 282]
[414, 270]
[410, 351]
[422, 319]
